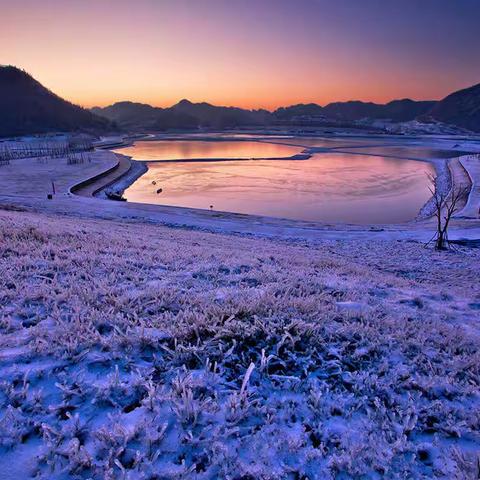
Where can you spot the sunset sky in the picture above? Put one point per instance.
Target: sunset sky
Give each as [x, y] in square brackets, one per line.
[249, 53]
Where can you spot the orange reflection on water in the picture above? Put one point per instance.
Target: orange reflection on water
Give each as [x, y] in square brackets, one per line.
[166, 150]
[329, 187]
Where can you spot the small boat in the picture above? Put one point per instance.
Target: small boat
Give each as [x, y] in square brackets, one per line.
[160, 190]
[111, 195]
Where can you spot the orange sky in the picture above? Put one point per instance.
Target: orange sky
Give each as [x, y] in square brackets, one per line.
[262, 53]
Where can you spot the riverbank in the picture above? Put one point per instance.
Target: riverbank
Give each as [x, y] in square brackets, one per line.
[122, 181]
[446, 169]
[471, 165]
[30, 193]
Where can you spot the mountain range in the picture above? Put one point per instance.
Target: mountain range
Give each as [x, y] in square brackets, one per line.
[396, 111]
[26, 107]
[461, 109]
[183, 115]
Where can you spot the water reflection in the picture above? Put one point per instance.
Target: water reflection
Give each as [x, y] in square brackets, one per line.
[423, 153]
[330, 187]
[165, 150]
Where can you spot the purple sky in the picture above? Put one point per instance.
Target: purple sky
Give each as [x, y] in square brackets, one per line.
[251, 53]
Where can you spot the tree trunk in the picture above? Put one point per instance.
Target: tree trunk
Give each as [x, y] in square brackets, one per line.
[440, 243]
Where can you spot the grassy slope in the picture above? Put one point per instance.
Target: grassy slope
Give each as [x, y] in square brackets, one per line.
[126, 348]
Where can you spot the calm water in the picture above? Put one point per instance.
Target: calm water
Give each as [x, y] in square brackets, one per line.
[166, 150]
[415, 152]
[329, 187]
[377, 146]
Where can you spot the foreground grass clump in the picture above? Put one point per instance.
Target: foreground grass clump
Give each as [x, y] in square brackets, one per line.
[135, 351]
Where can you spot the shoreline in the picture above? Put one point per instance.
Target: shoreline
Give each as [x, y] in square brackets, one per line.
[74, 205]
[443, 185]
[124, 180]
[443, 169]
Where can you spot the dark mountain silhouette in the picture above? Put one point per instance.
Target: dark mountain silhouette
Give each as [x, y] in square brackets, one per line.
[406, 109]
[183, 115]
[352, 110]
[26, 107]
[300, 110]
[461, 108]
[187, 115]
[211, 116]
[397, 110]
[130, 114]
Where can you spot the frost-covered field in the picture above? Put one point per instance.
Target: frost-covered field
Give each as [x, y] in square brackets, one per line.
[141, 352]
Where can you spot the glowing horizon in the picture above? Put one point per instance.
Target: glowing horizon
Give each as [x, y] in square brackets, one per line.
[250, 54]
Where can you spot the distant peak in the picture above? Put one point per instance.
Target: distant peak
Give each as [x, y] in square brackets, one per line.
[12, 71]
[10, 67]
[184, 102]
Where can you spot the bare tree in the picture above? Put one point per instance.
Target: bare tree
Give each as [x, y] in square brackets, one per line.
[446, 204]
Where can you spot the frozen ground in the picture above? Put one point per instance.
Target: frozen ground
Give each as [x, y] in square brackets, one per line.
[471, 164]
[33, 177]
[133, 350]
[138, 351]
